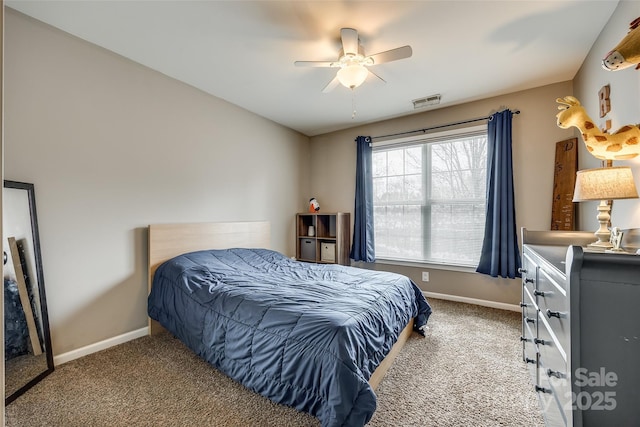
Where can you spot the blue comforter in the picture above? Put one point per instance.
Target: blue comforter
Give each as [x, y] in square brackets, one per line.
[304, 335]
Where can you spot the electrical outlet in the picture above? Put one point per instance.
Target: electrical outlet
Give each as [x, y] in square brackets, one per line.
[425, 276]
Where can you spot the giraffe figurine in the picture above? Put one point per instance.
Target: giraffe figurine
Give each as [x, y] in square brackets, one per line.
[623, 144]
[627, 52]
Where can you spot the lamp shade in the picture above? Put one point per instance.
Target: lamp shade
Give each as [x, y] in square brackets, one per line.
[352, 75]
[604, 184]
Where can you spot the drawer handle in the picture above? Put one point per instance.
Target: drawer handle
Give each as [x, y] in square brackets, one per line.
[551, 314]
[543, 390]
[556, 374]
[529, 360]
[529, 320]
[523, 304]
[522, 270]
[528, 280]
[539, 341]
[524, 339]
[538, 293]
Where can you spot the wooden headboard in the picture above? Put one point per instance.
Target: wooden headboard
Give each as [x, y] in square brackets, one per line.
[169, 240]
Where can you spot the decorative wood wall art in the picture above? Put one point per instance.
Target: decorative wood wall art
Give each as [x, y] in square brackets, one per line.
[605, 102]
[564, 180]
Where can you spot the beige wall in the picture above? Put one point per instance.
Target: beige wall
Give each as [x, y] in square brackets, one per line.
[625, 109]
[111, 147]
[534, 136]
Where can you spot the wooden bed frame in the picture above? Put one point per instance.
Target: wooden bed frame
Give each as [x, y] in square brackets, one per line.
[169, 240]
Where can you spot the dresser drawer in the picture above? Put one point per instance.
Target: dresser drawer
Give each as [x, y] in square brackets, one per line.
[559, 384]
[553, 362]
[553, 413]
[554, 353]
[553, 304]
[554, 339]
[552, 366]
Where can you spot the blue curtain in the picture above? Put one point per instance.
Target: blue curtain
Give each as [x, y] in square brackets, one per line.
[363, 248]
[500, 252]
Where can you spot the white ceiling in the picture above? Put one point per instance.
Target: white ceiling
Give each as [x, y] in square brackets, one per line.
[243, 51]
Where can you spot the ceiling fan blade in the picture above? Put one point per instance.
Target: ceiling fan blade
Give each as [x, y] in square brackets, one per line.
[392, 55]
[349, 38]
[374, 74]
[314, 64]
[332, 85]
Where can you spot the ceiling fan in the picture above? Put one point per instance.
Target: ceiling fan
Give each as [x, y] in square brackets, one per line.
[353, 62]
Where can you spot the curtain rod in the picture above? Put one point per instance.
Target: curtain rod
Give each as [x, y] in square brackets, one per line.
[438, 127]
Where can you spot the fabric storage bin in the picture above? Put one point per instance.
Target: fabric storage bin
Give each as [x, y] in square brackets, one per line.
[328, 252]
[308, 249]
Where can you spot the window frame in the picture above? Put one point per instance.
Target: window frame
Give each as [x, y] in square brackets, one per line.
[426, 139]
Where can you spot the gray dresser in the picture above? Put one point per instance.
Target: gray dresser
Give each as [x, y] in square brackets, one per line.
[581, 329]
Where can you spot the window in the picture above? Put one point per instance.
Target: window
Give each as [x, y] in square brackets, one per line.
[429, 197]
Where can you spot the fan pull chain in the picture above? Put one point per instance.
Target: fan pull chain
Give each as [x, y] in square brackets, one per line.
[353, 104]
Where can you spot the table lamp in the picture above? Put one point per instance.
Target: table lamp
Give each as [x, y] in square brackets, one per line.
[604, 184]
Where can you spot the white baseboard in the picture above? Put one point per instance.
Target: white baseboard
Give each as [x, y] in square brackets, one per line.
[102, 345]
[485, 303]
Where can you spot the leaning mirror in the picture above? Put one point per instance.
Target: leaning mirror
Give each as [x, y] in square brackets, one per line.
[27, 341]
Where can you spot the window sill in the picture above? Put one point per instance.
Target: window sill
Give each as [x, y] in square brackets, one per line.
[435, 266]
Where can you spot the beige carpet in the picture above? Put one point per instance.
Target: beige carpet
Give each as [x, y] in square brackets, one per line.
[466, 372]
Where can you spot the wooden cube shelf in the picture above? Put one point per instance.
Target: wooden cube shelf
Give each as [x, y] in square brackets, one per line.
[330, 242]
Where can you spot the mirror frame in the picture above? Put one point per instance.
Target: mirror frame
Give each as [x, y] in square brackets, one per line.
[46, 333]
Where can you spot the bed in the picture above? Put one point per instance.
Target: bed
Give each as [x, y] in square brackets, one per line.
[315, 337]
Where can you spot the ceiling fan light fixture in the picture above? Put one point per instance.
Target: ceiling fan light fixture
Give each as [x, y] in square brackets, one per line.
[352, 75]
[353, 63]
